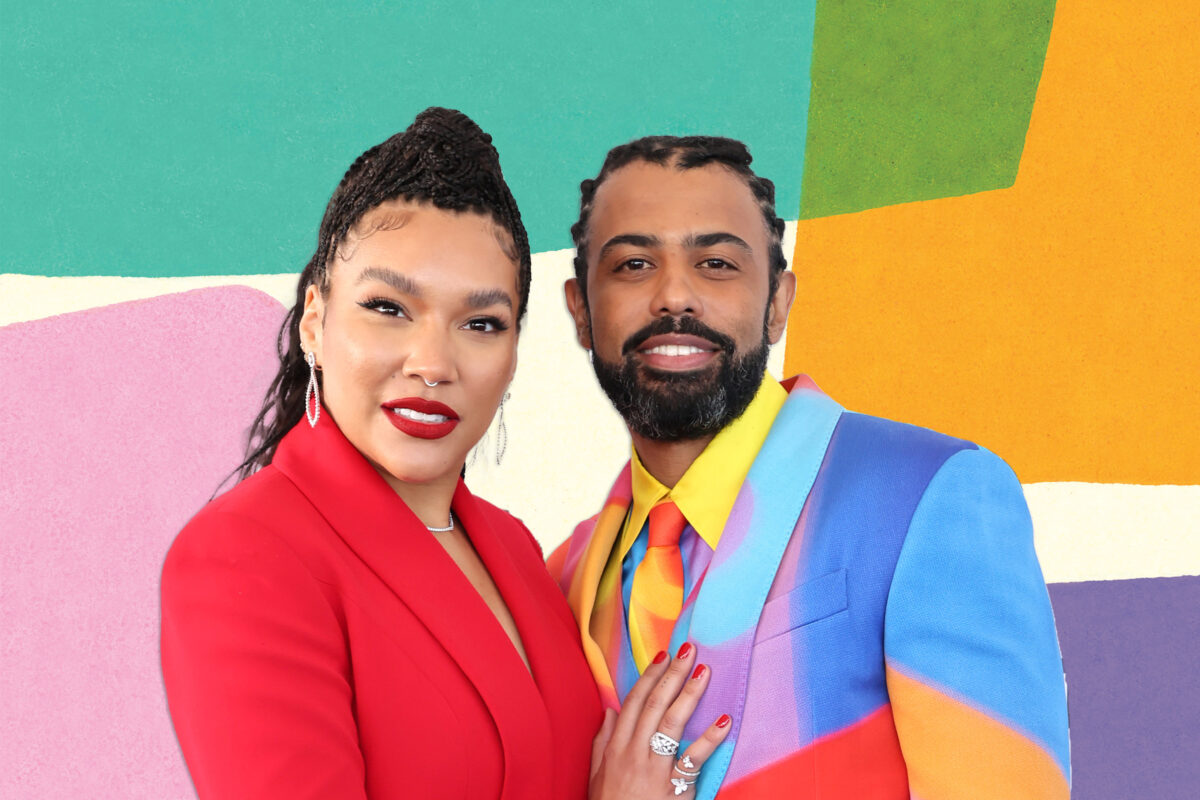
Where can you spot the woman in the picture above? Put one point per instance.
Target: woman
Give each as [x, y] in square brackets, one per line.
[349, 621]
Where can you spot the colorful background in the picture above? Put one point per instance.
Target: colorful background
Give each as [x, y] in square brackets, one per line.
[993, 224]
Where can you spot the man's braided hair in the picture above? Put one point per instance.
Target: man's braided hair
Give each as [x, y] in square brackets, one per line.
[682, 152]
[443, 159]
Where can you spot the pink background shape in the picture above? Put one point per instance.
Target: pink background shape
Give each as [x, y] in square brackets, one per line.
[117, 425]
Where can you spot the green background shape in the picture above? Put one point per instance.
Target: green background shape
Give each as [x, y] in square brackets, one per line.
[919, 99]
[162, 139]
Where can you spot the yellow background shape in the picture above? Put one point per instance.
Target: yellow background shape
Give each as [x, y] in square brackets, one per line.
[1055, 322]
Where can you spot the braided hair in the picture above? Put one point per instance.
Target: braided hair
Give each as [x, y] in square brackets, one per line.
[682, 152]
[443, 158]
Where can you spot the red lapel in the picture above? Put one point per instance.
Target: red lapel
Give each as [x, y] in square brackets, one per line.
[381, 530]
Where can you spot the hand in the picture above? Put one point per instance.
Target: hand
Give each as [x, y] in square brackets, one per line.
[662, 701]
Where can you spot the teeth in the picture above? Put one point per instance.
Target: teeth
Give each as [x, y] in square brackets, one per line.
[674, 350]
[417, 416]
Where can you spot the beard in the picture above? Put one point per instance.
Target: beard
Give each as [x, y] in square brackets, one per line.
[674, 406]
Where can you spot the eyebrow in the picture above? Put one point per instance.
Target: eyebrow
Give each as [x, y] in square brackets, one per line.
[635, 239]
[699, 240]
[401, 283]
[692, 241]
[489, 297]
[481, 298]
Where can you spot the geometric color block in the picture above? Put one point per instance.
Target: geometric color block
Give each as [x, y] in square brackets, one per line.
[918, 100]
[119, 424]
[1054, 322]
[217, 137]
[1131, 650]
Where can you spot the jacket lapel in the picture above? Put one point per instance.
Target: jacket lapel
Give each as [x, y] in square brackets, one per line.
[743, 567]
[384, 533]
[600, 615]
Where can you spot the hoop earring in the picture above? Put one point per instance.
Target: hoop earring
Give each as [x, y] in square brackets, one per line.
[501, 432]
[312, 395]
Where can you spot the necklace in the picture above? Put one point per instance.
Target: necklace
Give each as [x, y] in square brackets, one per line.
[446, 529]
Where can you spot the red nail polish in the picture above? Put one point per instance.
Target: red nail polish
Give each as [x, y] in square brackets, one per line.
[685, 650]
[661, 657]
[698, 671]
[724, 721]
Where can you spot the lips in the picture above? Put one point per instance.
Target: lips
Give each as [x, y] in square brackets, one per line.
[677, 351]
[421, 418]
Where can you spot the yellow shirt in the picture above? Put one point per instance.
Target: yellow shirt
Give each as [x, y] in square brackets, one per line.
[707, 491]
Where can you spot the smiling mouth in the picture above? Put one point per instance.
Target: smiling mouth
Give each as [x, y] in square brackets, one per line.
[675, 350]
[421, 418]
[417, 416]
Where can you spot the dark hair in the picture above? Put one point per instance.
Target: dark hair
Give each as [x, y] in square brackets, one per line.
[444, 159]
[682, 152]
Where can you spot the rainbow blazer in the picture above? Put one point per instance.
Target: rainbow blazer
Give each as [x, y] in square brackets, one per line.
[874, 616]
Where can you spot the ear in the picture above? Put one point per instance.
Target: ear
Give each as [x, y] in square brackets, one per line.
[311, 322]
[579, 313]
[780, 305]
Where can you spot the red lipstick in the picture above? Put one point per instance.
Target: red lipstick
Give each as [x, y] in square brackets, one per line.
[421, 418]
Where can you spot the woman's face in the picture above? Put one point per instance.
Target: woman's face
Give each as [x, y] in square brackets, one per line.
[416, 294]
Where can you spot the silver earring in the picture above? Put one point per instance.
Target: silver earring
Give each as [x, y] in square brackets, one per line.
[501, 432]
[312, 395]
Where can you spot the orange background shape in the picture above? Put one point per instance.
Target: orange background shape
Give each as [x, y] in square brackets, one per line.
[1056, 322]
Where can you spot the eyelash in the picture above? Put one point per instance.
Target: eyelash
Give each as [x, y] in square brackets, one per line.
[710, 263]
[378, 304]
[391, 308]
[498, 325]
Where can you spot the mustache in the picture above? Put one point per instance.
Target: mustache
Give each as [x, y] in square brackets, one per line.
[685, 324]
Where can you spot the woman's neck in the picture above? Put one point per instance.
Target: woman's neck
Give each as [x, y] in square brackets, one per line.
[429, 501]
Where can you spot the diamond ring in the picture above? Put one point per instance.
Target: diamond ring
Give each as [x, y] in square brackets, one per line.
[663, 745]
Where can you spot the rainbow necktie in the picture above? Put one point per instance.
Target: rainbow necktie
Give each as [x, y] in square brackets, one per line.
[656, 597]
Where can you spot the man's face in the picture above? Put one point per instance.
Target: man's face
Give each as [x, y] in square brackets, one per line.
[678, 314]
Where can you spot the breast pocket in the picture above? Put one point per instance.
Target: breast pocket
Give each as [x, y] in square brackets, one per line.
[811, 601]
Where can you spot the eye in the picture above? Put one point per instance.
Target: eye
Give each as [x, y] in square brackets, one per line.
[716, 263]
[486, 325]
[382, 305]
[632, 265]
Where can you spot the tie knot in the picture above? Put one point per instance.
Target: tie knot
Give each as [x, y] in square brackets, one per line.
[666, 525]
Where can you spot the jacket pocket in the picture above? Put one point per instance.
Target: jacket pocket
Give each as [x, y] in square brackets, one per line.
[807, 603]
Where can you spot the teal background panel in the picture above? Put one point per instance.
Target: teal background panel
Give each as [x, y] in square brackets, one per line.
[919, 99]
[166, 139]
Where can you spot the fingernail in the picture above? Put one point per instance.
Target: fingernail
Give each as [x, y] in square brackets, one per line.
[724, 721]
[661, 657]
[685, 650]
[698, 671]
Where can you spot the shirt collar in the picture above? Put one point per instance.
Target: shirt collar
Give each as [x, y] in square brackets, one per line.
[707, 491]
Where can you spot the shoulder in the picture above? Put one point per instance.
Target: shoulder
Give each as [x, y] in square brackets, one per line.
[241, 532]
[863, 433]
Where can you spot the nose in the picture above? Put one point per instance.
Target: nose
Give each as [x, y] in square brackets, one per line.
[675, 291]
[430, 355]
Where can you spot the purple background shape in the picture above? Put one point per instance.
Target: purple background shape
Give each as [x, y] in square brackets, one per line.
[117, 425]
[1131, 650]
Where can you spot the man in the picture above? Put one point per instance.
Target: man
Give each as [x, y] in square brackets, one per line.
[866, 593]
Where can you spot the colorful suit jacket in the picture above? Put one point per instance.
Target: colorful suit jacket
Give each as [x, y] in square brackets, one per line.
[875, 618]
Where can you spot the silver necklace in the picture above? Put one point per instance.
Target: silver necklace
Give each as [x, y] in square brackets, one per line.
[446, 529]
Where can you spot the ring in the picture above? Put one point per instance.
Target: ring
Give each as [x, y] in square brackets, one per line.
[663, 745]
[680, 785]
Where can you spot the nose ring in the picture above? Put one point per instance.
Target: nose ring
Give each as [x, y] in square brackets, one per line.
[429, 383]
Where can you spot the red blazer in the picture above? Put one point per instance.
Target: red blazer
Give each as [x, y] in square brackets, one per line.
[317, 642]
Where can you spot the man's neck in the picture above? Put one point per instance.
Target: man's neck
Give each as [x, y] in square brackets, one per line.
[667, 461]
